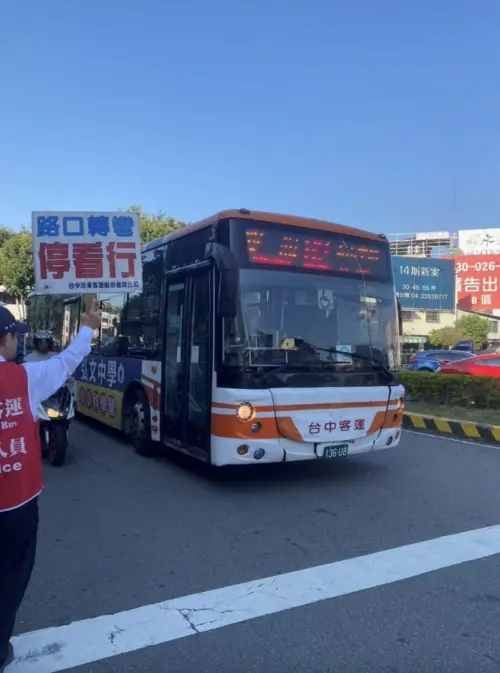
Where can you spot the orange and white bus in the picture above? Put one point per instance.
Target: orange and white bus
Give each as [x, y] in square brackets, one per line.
[258, 338]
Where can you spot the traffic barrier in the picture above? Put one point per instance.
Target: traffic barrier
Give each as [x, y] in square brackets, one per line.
[445, 426]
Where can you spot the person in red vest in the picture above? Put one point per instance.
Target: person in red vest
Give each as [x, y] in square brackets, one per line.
[22, 389]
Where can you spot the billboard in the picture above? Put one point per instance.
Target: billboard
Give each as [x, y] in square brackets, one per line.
[84, 252]
[478, 282]
[432, 235]
[425, 283]
[479, 241]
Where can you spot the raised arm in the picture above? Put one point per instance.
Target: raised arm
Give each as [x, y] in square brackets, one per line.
[45, 378]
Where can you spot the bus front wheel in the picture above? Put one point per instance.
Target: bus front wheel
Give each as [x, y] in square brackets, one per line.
[138, 423]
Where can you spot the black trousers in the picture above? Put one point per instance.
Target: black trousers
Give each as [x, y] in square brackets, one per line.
[18, 533]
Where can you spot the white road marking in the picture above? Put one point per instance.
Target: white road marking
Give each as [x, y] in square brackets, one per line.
[59, 648]
[451, 438]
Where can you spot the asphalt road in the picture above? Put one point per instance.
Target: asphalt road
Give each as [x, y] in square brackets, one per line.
[119, 532]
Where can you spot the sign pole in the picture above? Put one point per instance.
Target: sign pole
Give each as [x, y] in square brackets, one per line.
[88, 301]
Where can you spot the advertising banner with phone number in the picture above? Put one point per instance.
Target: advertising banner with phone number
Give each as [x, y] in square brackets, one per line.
[425, 283]
[478, 282]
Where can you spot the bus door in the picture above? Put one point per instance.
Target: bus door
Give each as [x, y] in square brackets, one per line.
[187, 379]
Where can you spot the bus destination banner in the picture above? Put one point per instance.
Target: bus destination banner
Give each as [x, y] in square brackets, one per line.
[87, 252]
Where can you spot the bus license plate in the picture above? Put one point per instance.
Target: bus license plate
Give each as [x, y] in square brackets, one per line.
[339, 451]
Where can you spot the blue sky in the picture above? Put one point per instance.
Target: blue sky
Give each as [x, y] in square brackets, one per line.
[364, 112]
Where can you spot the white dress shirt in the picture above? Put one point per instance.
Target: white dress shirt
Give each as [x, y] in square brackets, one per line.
[46, 377]
[36, 356]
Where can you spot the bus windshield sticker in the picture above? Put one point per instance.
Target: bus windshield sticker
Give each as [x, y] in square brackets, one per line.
[347, 359]
[325, 299]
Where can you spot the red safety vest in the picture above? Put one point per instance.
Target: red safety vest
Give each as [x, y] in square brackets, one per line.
[20, 451]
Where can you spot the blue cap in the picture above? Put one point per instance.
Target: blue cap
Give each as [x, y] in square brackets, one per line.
[9, 324]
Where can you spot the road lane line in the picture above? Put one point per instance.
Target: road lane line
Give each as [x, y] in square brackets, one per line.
[83, 642]
[451, 438]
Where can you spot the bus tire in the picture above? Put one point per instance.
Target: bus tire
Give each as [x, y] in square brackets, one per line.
[138, 423]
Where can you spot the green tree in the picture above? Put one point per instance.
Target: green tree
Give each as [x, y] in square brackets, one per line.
[5, 234]
[155, 226]
[475, 328]
[16, 265]
[446, 336]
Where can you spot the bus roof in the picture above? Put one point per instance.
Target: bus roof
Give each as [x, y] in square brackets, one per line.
[276, 218]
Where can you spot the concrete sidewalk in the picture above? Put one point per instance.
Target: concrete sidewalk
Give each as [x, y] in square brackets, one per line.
[446, 426]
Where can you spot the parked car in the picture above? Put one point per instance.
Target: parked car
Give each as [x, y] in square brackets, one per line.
[431, 361]
[466, 345]
[480, 365]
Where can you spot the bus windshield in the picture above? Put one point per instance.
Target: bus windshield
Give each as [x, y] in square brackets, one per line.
[302, 320]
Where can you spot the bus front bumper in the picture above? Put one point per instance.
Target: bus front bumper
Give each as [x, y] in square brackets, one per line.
[229, 451]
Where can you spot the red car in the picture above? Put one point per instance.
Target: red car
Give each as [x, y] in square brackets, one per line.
[479, 365]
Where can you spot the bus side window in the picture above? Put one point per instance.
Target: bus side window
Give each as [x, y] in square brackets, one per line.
[141, 315]
[71, 321]
[111, 309]
[400, 318]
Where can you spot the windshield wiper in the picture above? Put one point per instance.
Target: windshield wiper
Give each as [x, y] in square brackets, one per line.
[289, 367]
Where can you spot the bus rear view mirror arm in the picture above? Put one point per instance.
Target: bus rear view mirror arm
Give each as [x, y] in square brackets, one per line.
[227, 266]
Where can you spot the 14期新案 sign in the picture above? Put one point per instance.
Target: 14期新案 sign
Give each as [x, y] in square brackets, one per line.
[425, 283]
[87, 252]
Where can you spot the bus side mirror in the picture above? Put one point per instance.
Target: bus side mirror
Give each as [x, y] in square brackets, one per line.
[400, 318]
[227, 266]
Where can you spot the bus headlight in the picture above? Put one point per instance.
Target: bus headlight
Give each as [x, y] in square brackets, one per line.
[245, 412]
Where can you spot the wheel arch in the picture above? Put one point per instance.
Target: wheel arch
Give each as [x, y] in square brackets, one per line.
[133, 388]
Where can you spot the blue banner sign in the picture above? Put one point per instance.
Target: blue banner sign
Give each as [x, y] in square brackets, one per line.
[109, 372]
[425, 283]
